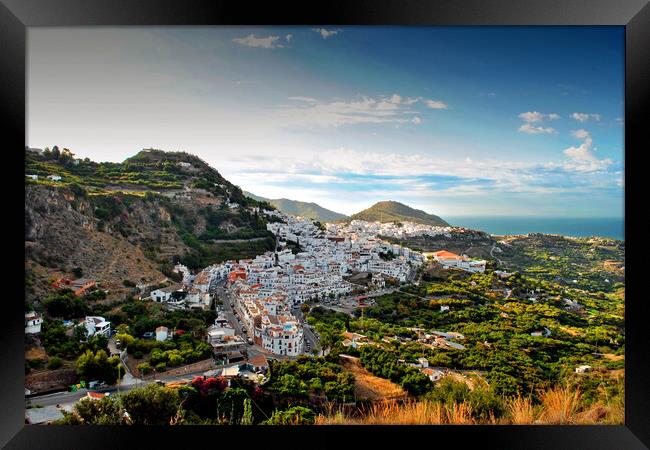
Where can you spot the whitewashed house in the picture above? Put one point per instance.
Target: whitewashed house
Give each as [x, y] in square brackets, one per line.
[32, 323]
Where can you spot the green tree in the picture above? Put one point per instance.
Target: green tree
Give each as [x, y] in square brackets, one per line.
[145, 368]
[105, 411]
[98, 366]
[231, 405]
[125, 339]
[151, 405]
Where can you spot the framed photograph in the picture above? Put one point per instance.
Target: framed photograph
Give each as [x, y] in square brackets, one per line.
[241, 223]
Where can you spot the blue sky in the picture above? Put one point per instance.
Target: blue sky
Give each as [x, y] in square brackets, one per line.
[460, 121]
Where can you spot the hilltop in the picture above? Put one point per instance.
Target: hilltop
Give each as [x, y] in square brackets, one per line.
[309, 210]
[390, 211]
[128, 223]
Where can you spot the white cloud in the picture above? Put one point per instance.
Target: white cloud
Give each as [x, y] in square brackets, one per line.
[262, 42]
[344, 171]
[581, 134]
[393, 109]
[303, 99]
[436, 104]
[534, 116]
[531, 129]
[325, 32]
[583, 117]
[582, 156]
[288, 37]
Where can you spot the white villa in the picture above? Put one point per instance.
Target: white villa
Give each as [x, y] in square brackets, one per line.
[97, 325]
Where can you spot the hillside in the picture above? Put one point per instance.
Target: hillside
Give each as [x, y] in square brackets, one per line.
[304, 209]
[132, 221]
[390, 211]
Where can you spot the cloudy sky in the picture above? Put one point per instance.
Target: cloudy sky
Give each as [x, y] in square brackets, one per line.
[480, 121]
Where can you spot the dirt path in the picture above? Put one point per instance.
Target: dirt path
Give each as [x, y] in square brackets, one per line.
[225, 241]
[368, 386]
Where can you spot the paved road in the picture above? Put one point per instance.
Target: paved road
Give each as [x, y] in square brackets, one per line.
[62, 398]
[307, 330]
[229, 311]
[492, 254]
[227, 298]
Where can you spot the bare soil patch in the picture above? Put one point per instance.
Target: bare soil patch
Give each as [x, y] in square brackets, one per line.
[368, 386]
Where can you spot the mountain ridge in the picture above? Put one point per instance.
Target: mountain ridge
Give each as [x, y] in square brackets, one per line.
[392, 211]
[309, 210]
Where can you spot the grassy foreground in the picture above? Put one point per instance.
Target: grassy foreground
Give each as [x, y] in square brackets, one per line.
[559, 406]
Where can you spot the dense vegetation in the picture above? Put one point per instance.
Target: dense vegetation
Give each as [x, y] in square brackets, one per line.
[316, 376]
[521, 335]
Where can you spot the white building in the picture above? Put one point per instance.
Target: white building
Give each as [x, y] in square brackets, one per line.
[97, 325]
[452, 260]
[32, 323]
[282, 338]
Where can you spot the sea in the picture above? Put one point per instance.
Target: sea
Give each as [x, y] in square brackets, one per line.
[609, 227]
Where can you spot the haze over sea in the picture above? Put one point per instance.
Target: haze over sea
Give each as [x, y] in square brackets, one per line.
[611, 227]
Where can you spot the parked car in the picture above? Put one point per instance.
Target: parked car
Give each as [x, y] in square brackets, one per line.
[148, 335]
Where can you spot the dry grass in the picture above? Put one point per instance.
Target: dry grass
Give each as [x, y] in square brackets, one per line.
[559, 406]
[368, 386]
[521, 411]
[408, 413]
[35, 353]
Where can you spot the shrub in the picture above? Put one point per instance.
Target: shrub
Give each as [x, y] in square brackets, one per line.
[54, 363]
[145, 368]
[298, 415]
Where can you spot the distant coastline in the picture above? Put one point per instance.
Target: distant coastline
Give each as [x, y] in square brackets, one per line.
[609, 227]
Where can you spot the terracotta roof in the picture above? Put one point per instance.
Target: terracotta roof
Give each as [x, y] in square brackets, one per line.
[446, 255]
[96, 395]
[259, 360]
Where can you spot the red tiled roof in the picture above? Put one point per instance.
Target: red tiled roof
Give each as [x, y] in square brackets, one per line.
[446, 255]
[259, 360]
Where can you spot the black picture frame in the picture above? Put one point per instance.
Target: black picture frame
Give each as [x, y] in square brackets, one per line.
[634, 15]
